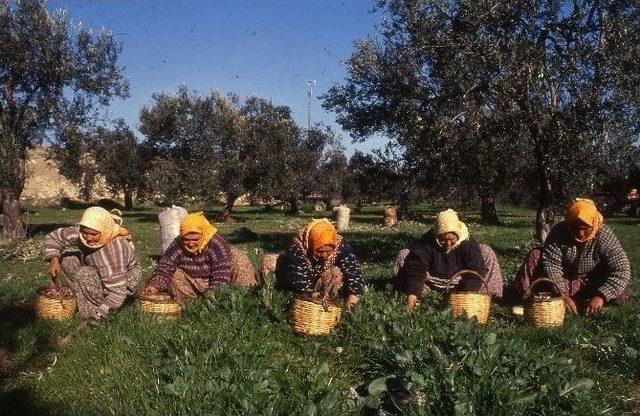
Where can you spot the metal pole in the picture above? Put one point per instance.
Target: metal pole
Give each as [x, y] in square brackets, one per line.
[310, 84]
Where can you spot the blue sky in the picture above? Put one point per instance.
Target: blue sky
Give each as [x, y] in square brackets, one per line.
[268, 48]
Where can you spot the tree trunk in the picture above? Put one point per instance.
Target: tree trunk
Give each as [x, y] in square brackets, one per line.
[295, 207]
[544, 221]
[488, 213]
[12, 228]
[544, 216]
[225, 214]
[128, 200]
[403, 205]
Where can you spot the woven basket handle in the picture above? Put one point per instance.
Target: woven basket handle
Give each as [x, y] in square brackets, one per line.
[465, 271]
[529, 291]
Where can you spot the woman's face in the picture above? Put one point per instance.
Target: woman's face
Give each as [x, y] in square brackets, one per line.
[190, 241]
[323, 253]
[447, 240]
[92, 237]
[581, 230]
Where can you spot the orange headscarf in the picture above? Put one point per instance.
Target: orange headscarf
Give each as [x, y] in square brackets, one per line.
[318, 233]
[197, 223]
[99, 219]
[584, 210]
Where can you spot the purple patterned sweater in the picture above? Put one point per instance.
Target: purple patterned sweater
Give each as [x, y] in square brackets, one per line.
[212, 265]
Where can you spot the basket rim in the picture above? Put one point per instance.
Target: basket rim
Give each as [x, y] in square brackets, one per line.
[315, 301]
[55, 297]
[158, 298]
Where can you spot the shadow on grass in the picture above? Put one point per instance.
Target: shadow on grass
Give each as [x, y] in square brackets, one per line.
[140, 216]
[24, 402]
[104, 203]
[42, 229]
[14, 318]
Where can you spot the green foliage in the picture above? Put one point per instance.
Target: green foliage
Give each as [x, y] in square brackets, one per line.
[53, 73]
[480, 92]
[213, 364]
[431, 364]
[234, 353]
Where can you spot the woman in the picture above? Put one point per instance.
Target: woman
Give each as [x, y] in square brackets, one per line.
[98, 260]
[318, 263]
[198, 261]
[442, 252]
[584, 258]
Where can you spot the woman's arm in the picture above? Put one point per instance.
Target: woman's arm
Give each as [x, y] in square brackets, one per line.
[473, 257]
[58, 240]
[299, 271]
[617, 266]
[348, 263]
[221, 259]
[163, 273]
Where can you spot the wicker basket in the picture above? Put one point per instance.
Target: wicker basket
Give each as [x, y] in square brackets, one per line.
[161, 305]
[469, 303]
[309, 317]
[53, 306]
[546, 313]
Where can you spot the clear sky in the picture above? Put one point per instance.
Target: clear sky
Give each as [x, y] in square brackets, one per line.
[269, 48]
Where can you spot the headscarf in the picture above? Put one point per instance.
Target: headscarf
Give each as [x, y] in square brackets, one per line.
[584, 210]
[448, 222]
[197, 223]
[316, 234]
[99, 219]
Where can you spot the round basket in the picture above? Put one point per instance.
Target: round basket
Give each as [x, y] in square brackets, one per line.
[50, 305]
[546, 313]
[469, 303]
[161, 305]
[309, 317]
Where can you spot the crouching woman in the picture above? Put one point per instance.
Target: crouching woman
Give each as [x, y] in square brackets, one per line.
[585, 260]
[440, 254]
[321, 263]
[199, 261]
[98, 260]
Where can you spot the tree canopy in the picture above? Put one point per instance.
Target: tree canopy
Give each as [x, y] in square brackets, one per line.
[546, 88]
[51, 71]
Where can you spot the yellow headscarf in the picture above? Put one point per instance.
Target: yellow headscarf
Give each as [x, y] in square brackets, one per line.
[197, 223]
[316, 234]
[448, 222]
[586, 211]
[99, 219]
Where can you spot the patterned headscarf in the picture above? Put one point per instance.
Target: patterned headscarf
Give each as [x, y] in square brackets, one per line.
[99, 219]
[448, 222]
[585, 210]
[197, 223]
[316, 234]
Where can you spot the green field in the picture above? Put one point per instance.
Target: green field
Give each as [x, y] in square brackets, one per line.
[234, 353]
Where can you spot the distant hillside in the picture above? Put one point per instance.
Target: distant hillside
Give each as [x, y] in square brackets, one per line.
[45, 185]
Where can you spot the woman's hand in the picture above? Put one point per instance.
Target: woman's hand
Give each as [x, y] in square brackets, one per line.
[54, 267]
[352, 301]
[570, 304]
[595, 305]
[410, 302]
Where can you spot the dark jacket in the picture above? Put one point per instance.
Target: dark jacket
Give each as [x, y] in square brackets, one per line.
[427, 258]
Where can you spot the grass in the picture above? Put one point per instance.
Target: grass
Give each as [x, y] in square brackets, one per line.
[233, 353]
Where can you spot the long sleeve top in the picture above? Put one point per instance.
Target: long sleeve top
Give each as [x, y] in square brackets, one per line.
[563, 257]
[112, 262]
[213, 265]
[303, 272]
[427, 262]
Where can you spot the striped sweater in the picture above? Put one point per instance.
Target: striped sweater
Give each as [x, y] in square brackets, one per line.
[212, 266]
[563, 257]
[303, 272]
[111, 262]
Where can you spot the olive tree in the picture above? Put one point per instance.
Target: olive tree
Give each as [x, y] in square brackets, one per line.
[49, 69]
